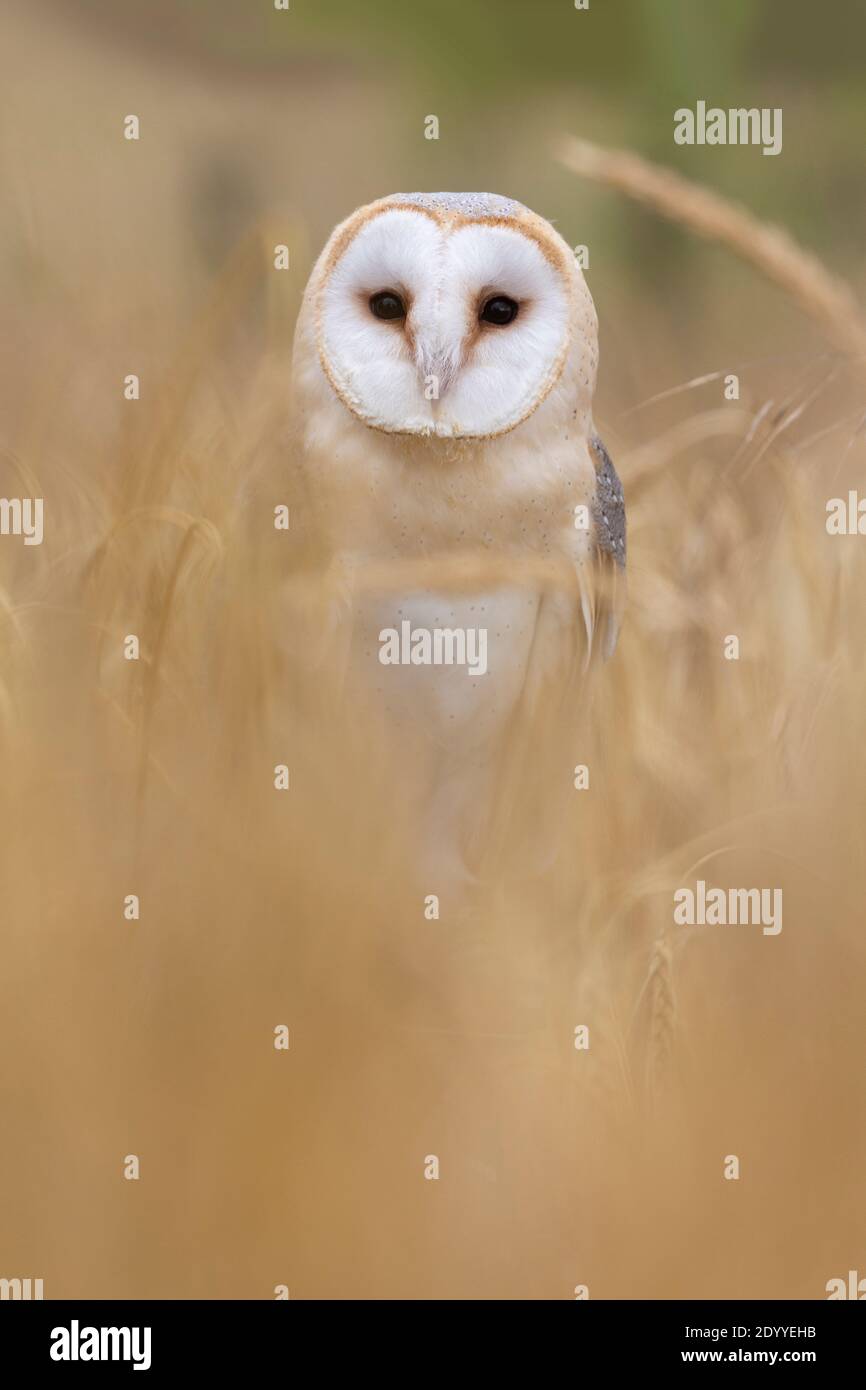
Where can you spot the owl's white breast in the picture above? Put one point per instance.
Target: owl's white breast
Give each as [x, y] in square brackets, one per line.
[454, 706]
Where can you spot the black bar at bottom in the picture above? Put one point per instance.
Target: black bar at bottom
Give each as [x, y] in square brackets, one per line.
[220, 1337]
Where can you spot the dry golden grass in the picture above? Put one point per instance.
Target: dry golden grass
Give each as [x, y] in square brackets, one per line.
[559, 1167]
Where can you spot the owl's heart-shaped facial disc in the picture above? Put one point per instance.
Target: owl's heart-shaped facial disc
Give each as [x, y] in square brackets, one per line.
[432, 321]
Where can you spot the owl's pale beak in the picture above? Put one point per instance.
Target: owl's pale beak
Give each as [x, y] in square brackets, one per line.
[437, 369]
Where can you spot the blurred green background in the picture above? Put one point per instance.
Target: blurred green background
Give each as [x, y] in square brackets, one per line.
[267, 124]
[615, 73]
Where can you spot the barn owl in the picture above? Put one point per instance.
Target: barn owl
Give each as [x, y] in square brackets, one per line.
[444, 366]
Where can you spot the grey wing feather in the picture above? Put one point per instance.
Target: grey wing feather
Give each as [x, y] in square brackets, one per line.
[608, 513]
[609, 506]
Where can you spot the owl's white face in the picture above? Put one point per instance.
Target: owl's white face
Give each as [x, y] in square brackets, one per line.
[444, 325]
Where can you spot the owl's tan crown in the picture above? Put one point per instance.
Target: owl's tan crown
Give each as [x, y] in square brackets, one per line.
[472, 205]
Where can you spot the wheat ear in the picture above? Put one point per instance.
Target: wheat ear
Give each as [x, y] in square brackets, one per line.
[824, 297]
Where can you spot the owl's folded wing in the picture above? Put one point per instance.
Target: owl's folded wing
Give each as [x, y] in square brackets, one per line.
[607, 602]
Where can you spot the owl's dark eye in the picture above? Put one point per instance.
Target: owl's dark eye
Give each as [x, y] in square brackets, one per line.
[499, 310]
[387, 305]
